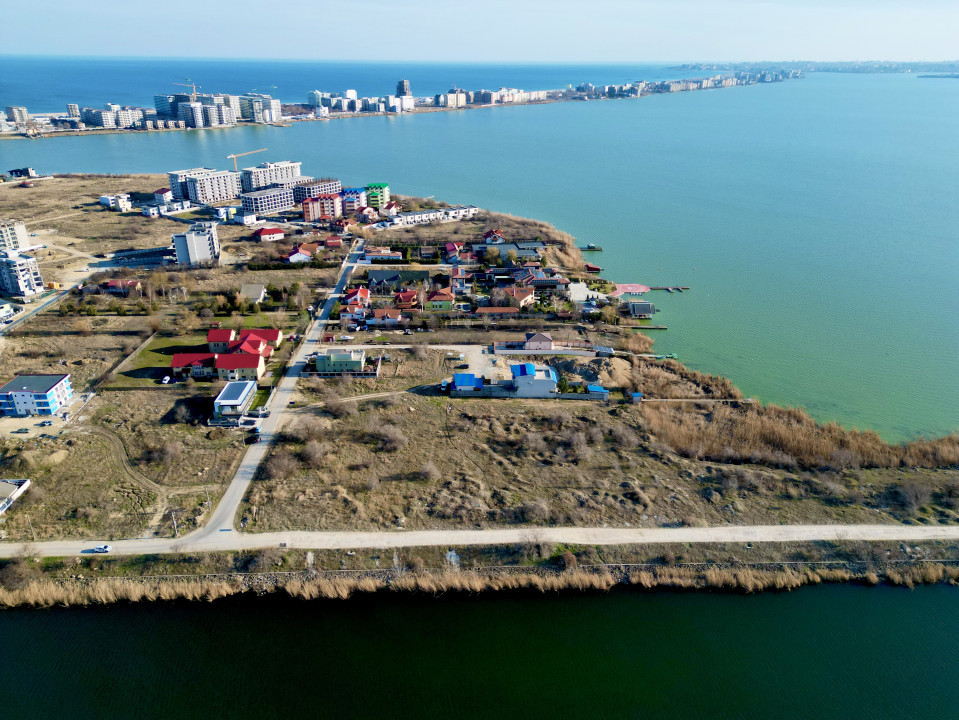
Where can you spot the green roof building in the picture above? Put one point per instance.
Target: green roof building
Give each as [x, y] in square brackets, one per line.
[377, 195]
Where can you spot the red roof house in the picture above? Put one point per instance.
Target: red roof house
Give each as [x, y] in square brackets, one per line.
[268, 234]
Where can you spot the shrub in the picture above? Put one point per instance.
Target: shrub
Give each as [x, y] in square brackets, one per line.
[281, 466]
[430, 472]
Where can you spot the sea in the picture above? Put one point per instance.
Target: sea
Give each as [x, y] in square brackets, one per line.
[814, 222]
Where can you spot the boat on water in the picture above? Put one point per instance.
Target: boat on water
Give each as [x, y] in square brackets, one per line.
[591, 247]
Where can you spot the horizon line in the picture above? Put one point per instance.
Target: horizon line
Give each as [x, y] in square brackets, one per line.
[456, 62]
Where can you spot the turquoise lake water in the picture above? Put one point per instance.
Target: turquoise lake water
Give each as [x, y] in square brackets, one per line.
[814, 220]
[825, 652]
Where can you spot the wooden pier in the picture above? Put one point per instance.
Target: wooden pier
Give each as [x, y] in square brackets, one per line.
[672, 288]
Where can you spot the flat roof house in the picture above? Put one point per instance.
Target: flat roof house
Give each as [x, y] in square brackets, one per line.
[234, 399]
[35, 395]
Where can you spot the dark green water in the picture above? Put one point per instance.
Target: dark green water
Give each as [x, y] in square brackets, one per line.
[824, 652]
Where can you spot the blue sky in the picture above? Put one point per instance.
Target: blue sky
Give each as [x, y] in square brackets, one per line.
[490, 30]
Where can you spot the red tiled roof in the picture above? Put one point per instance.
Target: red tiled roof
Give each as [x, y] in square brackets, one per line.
[219, 335]
[238, 361]
[270, 335]
[387, 313]
[181, 360]
[268, 231]
[441, 295]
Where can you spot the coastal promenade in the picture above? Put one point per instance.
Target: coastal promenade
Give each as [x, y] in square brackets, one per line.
[212, 538]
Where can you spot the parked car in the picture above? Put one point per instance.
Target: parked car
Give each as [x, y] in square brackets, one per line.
[166, 380]
[20, 431]
[347, 338]
[46, 423]
[102, 548]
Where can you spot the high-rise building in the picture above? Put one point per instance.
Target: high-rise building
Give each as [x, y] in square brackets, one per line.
[13, 235]
[73, 110]
[112, 107]
[177, 181]
[17, 114]
[191, 113]
[19, 274]
[350, 95]
[165, 106]
[198, 246]
[268, 173]
[213, 187]
[99, 118]
[265, 202]
[403, 88]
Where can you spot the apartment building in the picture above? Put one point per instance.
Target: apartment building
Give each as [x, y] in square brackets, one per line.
[378, 195]
[13, 235]
[353, 200]
[191, 113]
[177, 181]
[17, 114]
[260, 108]
[212, 187]
[327, 204]
[314, 188]
[268, 173]
[73, 110]
[267, 202]
[19, 274]
[198, 246]
[35, 395]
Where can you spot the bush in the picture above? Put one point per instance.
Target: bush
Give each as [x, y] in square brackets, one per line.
[314, 453]
[430, 472]
[281, 466]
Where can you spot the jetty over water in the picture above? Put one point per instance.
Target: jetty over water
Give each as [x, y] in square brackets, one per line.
[629, 289]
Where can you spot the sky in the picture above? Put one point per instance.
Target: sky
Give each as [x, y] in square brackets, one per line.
[489, 30]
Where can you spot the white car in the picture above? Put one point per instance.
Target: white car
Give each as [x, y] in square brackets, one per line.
[166, 380]
[102, 549]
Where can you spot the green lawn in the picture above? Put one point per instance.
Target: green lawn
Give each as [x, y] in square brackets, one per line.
[153, 361]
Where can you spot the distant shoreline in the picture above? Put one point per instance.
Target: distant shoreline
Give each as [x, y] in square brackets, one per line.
[291, 120]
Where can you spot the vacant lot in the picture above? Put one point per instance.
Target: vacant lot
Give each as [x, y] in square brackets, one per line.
[418, 462]
[70, 205]
[404, 369]
[85, 347]
[79, 489]
[163, 437]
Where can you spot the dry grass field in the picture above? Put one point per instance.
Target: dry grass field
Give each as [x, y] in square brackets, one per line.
[79, 490]
[70, 206]
[424, 462]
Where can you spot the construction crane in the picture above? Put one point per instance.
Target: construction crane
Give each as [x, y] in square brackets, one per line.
[190, 84]
[236, 155]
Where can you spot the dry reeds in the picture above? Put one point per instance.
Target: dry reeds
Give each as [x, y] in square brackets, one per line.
[52, 592]
[787, 437]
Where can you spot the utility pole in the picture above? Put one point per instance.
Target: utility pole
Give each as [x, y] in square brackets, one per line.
[30, 523]
[176, 533]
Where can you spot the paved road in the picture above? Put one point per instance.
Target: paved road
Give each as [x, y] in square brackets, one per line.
[222, 519]
[222, 541]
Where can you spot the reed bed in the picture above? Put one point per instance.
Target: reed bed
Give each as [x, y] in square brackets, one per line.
[787, 437]
[58, 592]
